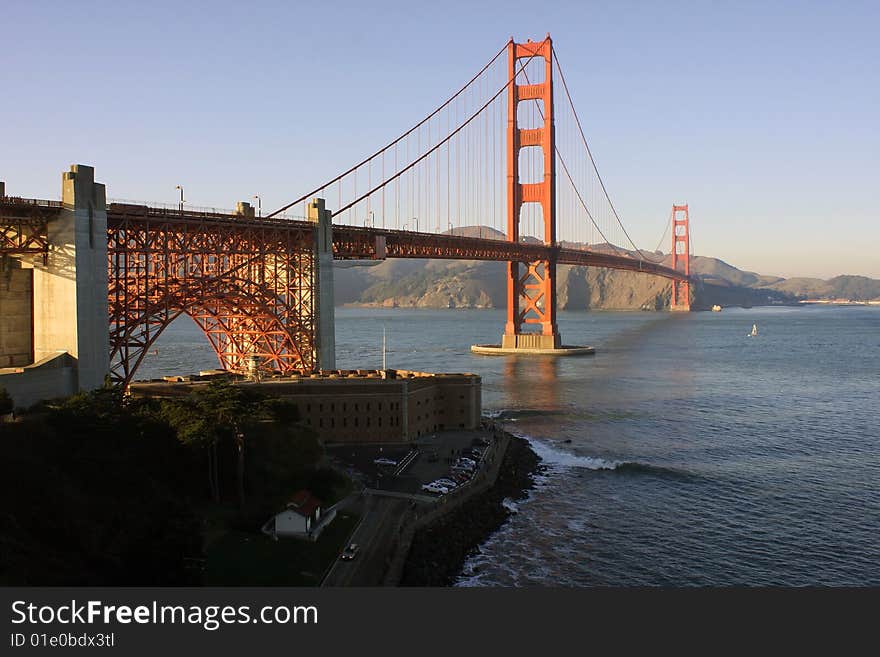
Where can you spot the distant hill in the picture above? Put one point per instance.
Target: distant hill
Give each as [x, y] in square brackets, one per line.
[855, 288]
[476, 284]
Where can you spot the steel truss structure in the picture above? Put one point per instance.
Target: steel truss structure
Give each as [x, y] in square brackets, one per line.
[24, 225]
[249, 284]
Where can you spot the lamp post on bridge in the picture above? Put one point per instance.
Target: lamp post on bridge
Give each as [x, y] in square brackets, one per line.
[180, 206]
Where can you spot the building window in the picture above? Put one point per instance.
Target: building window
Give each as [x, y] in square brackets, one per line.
[332, 423]
[332, 408]
[344, 422]
[355, 422]
[380, 420]
[368, 421]
[321, 422]
[308, 408]
[320, 408]
[380, 406]
[356, 406]
[368, 407]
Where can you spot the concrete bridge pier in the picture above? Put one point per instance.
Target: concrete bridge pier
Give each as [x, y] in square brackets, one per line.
[70, 289]
[325, 319]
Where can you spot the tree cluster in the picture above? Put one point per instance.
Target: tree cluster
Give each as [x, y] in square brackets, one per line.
[103, 490]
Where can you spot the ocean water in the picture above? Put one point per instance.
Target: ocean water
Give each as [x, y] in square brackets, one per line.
[683, 453]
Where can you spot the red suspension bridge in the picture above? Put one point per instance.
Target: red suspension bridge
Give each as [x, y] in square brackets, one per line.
[500, 171]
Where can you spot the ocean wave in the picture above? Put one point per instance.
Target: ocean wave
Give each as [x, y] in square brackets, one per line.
[510, 505]
[556, 458]
[514, 414]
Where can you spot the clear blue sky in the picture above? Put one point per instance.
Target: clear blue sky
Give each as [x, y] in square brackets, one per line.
[763, 116]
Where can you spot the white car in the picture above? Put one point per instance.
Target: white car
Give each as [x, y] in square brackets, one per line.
[384, 461]
[436, 489]
[446, 483]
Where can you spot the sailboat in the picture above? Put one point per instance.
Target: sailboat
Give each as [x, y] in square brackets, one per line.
[754, 331]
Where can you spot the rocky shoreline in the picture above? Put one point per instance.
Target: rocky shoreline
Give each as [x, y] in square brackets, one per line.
[438, 552]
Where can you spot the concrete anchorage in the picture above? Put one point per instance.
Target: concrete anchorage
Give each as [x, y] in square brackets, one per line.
[70, 290]
[71, 335]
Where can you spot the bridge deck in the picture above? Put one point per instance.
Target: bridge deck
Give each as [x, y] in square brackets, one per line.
[361, 243]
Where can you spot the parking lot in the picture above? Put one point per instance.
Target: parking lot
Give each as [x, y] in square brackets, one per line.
[383, 510]
[436, 453]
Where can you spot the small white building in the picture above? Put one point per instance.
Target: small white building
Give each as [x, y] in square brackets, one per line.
[301, 519]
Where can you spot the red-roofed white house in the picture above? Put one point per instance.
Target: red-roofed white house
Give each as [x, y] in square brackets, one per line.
[303, 517]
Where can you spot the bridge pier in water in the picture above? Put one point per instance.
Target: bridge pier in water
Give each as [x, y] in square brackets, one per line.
[531, 286]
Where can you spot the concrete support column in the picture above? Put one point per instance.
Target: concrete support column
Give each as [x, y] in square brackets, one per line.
[245, 209]
[324, 296]
[70, 290]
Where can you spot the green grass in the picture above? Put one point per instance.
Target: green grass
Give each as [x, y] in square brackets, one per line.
[253, 559]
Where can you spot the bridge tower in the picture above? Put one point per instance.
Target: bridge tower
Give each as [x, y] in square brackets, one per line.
[531, 295]
[531, 286]
[681, 260]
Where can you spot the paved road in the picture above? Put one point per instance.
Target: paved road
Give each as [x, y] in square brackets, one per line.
[375, 536]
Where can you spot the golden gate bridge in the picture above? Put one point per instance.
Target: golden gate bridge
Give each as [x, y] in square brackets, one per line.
[501, 170]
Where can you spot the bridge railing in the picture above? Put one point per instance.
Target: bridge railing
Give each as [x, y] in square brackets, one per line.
[192, 209]
[171, 206]
[39, 202]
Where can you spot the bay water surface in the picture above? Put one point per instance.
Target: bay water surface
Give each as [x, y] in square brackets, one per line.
[683, 453]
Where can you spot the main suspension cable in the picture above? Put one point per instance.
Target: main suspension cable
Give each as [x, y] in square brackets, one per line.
[590, 153]
[573, 185]
[438, 145]
[393, 143]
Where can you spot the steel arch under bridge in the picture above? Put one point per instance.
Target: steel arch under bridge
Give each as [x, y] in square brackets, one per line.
[250, 286]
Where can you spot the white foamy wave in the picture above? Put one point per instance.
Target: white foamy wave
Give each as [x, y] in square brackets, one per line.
[510, 505]
[494, 413]
[554, 457]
